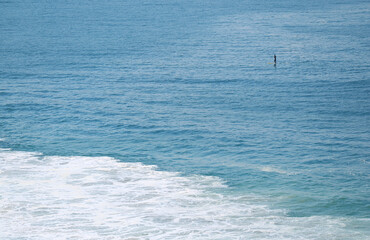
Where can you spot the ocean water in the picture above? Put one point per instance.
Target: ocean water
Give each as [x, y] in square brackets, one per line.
[168, 119]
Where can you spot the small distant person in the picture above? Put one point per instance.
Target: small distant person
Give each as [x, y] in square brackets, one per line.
[274, 59]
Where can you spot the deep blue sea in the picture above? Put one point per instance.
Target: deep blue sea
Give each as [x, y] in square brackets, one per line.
[161, 119]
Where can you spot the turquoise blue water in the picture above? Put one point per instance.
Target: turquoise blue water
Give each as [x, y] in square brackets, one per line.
[249, 150]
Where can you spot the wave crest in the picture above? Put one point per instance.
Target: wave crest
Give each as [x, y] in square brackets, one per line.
[54, 197]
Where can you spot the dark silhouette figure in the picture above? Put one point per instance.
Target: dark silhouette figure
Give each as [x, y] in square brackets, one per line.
[274, 59]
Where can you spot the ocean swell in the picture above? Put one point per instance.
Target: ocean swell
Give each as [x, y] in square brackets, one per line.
[55, 197]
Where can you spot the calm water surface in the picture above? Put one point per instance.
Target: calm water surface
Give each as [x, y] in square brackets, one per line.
[169, 120]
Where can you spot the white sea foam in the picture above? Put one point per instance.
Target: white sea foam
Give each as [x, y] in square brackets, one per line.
[272, 169]
[52, 197]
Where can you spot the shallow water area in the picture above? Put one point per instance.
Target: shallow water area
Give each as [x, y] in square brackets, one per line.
[99, 197]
